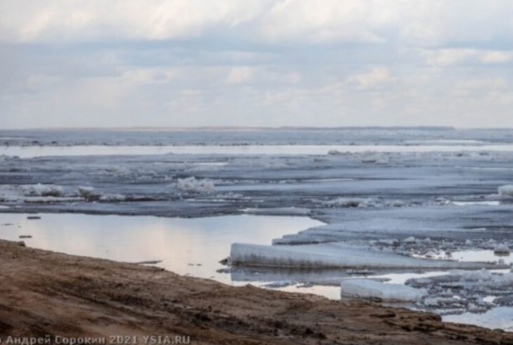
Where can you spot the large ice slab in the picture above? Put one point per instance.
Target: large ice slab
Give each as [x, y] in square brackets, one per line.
[372, 289]
[434, 221]
[336, 255]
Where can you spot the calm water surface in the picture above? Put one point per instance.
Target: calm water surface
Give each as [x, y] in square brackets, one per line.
[185, 246]
[501, 317]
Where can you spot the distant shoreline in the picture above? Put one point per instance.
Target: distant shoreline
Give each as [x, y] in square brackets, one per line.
[242, 128]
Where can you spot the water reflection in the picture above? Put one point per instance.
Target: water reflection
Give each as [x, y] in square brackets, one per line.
[481, 256]
[501, 318]
[478, 203]
[185, 246]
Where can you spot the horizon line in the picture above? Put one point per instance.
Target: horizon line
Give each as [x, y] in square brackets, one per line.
[153, 128]
[248, 128]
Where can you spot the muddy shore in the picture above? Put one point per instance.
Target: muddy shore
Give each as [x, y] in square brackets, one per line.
[45, 294]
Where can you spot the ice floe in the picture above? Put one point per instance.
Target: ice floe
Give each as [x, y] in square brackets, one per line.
[376, 290]
[52, 194]
[41, 190]
[335, 255]
[350, 202]
[20, 193]
[347, 202]
[502, 249]
[466, 290]
[193, 185]
[279, 211]
[506, 191]
[89, 193]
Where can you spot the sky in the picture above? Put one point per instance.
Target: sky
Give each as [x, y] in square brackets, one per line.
[190, 63]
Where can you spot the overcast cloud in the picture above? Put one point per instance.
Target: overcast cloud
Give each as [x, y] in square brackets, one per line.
[256, 63]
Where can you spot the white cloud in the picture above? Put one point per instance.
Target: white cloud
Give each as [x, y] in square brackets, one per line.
[240, 75]
[89, 20]
[255, 62]
[416, 22]
[447, 57]
[484, 83]
[377, 76]
[496, 57]
[322, 22]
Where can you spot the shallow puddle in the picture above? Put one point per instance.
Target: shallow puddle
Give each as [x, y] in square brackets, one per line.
[501, 318]
[331, 292]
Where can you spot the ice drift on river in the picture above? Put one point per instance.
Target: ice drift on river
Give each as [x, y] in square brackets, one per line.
[475, 291]
[335, 255]
[53, 194]
[372, 289]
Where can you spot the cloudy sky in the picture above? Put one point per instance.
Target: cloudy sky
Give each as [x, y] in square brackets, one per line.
[180, 63]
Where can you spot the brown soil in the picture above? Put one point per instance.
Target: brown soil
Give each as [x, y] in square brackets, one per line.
[44, 293]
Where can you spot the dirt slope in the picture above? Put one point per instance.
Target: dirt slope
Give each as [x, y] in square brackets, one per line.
[44, 293]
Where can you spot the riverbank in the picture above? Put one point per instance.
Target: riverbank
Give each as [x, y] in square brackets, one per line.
[49, 294]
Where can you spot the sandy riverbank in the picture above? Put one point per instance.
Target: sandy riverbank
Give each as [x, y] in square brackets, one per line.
[44, 293]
